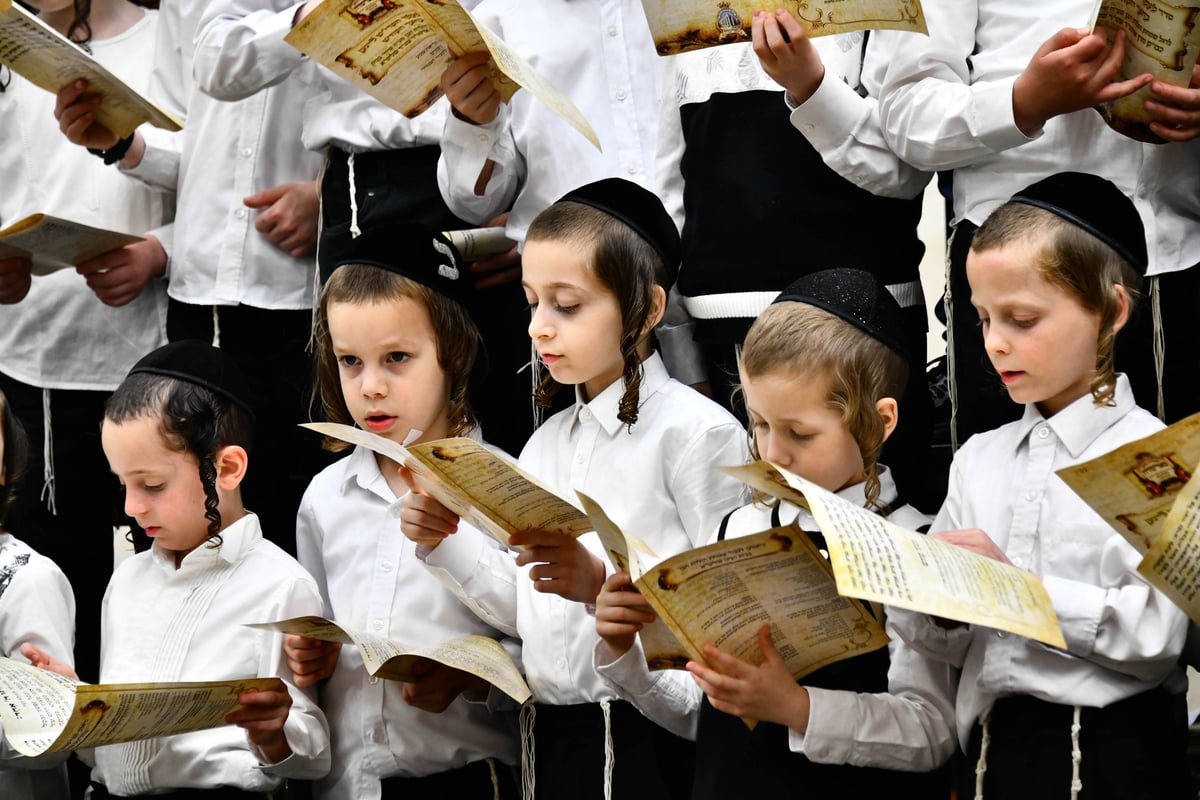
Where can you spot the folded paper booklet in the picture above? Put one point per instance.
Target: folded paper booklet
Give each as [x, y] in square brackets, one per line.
[43, 712]
[475, 243]
[53, 243]
[484, 489]
[724, 593]
[681, 25]
[1162, 39]
[482, 657]
[396, 51]
[46, 58]
[874, 559]
[1145, 492]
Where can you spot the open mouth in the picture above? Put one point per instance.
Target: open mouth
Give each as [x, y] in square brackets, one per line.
[549, 358]
[379, 422]
[1008, 376]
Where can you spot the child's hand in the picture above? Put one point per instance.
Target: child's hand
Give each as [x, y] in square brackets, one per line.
[16, 276]
[75, 111]
[424, 520]
[118, 276]
[262, 715]
[1177, 113]
[470, 90]
[786, 53]
[290, 219]
[310, 660]
[42, 660]
[621, 611]
[564, 566]
[437, 686]
[766, 692]
[501, 268]
[1073, 70]
[974, 540]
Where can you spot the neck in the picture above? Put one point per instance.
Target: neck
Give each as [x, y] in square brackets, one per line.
[107, 18]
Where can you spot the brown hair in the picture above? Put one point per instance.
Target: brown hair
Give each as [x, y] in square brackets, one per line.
[456, 335]
[16, 457]
[626, 265]
[809, 342]
[1076, 262]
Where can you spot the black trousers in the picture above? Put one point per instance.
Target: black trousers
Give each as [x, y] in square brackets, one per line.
[100, 792]
[472, 782]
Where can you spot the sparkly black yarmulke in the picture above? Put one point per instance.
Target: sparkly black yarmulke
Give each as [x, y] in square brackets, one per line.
[200, 363]
[857, 297]
[1097, 206]
[417, 252]
[638, 208]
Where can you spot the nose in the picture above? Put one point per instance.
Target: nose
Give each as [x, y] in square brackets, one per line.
[374, 383]
[539, 326]
[135, 503]
[769, 447]
[994, 340]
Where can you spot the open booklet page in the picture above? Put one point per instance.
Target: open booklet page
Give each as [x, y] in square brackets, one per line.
[46, 58]
[874, 559]
[484, 489]
[723, 593]
[396, 51]
[482, 657]
[53, 243]
[1161, 39]
[682, 25]
[44, 712]
[1145, 492]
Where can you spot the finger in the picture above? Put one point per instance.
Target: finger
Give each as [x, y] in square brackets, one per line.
[68, 95]
[410, 480]
[725, 663]
[102, 263]
[1115, 91]
[791, 26]
[1172, 116]
[776, 42]
[535, 538]
[296, 240]
[1174, 134]
[1176, 96]
[266, 197]
[267, 221]
[500, 261]
[766, 646]
[501, 220]
[1067, 37]
[36, 656]
[499, 278]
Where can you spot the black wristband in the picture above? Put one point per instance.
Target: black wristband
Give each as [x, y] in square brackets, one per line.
[115, 153]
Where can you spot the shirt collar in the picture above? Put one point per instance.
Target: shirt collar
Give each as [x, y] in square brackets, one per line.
[362, 469]
[236, 540]
[855, 494]
[606, 405]
[1082, 422]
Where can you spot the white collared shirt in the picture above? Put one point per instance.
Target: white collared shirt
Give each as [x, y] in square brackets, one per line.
[600, 54]
[61, 336]
[946, 103]
[1123, 636]
[240, 50]
[348, 535]
[658, 482]
[160, 623]
[36, 606]
[226, 152]
[910, 727]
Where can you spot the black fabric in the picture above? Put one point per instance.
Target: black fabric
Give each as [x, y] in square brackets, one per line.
[650, 763]
[417, 252]
[638, 208]
[757, 224]
[472, 782]
[1135, 749]
[856, 297]
[100, 792]
[199, 363]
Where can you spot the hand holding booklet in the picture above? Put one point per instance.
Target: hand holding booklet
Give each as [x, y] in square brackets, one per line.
[43, 712]
[52, 243]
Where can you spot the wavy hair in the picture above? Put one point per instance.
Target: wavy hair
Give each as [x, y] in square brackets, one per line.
[15, 445]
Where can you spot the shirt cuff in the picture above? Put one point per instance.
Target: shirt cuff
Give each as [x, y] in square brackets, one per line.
[992, 116]
[829, 714]
[1078, 606]
[831, 115]
[457, 555]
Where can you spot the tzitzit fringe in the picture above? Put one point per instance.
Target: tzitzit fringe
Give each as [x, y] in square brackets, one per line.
[1160, 344]
[47, 496]
[951, 361]
[495, 779]
[355, 231]
[528, 755]
[981, 764]
[1076, 757]
[606, 707]
[216, 340]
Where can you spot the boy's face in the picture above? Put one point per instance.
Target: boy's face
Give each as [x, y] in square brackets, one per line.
[388, 365]
[795, 428]
[163, 491]
[1040, 339]
[576, 322]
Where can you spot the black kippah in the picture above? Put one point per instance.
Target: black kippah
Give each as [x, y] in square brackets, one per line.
[1097, 206]
[641, 210]
[417, 252]
[856, 297]
[197, 362]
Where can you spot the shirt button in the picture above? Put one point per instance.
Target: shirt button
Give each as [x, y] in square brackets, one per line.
[579, 458]
[247, 152]
[633, 167]
[1001, 634]
[621, 94]
[386, 566]
[1043, 432]
[585, 414]
[483, 137]
[373, 680]
[1031, 495]
[561, 663]
[240, 213]
[377, 624]
[612, 30]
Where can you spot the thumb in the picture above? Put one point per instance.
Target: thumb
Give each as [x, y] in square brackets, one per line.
[411, 482]
[766, 645]
[35, 656]
[266, 197]
[1063, 39]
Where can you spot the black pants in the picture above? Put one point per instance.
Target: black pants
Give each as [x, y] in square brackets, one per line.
[100, 792]
[472, 782]
[1135, 749]
[270, 349]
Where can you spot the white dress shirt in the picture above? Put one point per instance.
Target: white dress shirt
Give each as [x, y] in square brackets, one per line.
[1123, 636]
[226, 152]
[160, 623]
[908, 728]
[240, 50]
[946, 103]
[36, 606]
[348, 535]
[61, 336]
[600, 54]
[657, 481]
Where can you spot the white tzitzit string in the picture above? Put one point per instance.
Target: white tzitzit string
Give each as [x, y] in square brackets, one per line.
[951, 362]
[355, 231]
[527, 750]
[495, 779]
[981, 764]
[47, 455]
[606, 707]
[216, 340]
[1076, 757]
[1160, 344]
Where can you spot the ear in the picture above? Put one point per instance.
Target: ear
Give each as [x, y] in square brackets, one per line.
[658, 307]
[231, 462]
[1122, 307]
[889, 412]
